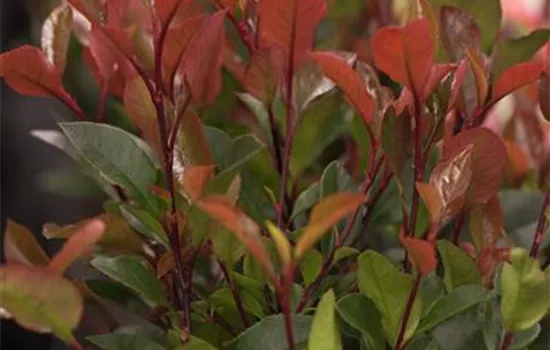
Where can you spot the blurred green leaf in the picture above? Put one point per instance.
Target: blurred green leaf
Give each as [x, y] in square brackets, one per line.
[459, 268]
[146, 224]
[325, 334]
[310, 265]
[361, 313]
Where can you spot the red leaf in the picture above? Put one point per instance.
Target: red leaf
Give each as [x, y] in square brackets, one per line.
[515, 77]
[195, 179]
[421, 253]
[437, 74]
[202, 60]
[482, 85]
[488, 160]
[406, 54]
[290, 25]
[27, 71]
[458, 29]
[77, 245]
[544, 95]
[264, 72]
[166, 9]
[460, 73]
[518, 163]
[486, 223]
[349, 81]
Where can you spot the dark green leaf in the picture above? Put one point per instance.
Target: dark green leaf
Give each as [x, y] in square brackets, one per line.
[146, 224]
[306, 200]
[361, 314]
[124, 341]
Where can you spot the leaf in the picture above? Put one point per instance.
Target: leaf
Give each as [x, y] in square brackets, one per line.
[290, 25]
[342, 253]
[41, 300]
[459, 268]
[456, 85]
[513, 51]
[487, 15]
[195, 343]
[195, 179]
[336, 69]
[281, 243]
[431, 198]
[132, 272]
[421, 253]
[240, 225]
[124, 341]
[437, 74]
[201, 62]
[488, 160]
[20, 245]
[525, 291]
[486, 223]
[269, 333]
[396, 139]
[56, 35]
[389, 289]
[77, 245]
[325, 334]
[456, 302]
[306, 200]
[192, 144]
[544, 95]
[27, 71]
[514, 78]
[310, 266]
[458, 31]
[117, 156]
[406, 54]
[324, 215]
[264, 72]
[361, 313]
[480, 78]
[518, 163]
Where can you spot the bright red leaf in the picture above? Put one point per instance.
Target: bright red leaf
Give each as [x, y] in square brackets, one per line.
[264, 72]
[290, 25]
[349, 81]
[514, 78]
[437, 74]
[202, 60]
[421, 253]
[459, 75]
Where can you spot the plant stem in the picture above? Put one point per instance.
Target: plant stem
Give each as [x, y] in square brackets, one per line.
[507, 340]
[459, 223]
[284, 292]
[235, 292]
[418, 164]
[541, 227]
[408, 309]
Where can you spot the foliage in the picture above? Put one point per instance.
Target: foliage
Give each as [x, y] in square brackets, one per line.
[294, 179]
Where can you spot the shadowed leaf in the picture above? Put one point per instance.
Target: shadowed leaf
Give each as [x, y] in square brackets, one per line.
[21, 246]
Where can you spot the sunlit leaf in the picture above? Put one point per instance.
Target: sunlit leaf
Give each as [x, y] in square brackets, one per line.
[281, 242]
[20, 245]
[325, 333]
[56, 35]
[459, 268]
[324, 215]
[431, 198]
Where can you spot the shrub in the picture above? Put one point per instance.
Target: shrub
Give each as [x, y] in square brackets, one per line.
[263, 194]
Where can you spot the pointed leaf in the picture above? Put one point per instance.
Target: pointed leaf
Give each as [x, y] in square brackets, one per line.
[514, 78]
[324, 215]
[195, 179]
[349, 81]
[290, 25]
[325, 334]
[421, 253]
[56, 35]
[77, 245]
[486, 223]
[482, 85]
[41, 300]
[281, 243]
[311, 265]
[431, 198]
[456, 85]
[264, 73]
[361, 314]
[146, 224]
[459, 268]
[20, 245]
[134, 273]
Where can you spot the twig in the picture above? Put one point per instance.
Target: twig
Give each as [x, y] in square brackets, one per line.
[507, 340]
[541, 227]
[235, 292]
[459, 223]
[408, 309]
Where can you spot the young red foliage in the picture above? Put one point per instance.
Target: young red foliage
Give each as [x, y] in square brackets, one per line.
[421, 253]
[290, 25]
[458, 78]
[349, 81]
[264, 72]
[514, 78]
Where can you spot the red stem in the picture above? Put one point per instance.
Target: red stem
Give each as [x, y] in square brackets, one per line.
[541, 227]
[235, 292]
[459, 223]
[284, 293]
[418, 164]
[507, 340]
[408, 309]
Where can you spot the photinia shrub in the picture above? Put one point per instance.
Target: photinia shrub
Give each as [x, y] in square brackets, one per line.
[293, 174]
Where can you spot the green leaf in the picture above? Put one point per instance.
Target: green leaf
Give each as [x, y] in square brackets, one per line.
[432, 290]
[361, 314]
[460, 269]
[462, 332]
[145, 224]
[117, 293]
[513, 51]
[134, 273]
[226, 246]
[310, 265]
[221, 146]
[223, 298]
[335, 178]
[259, 111]
[454, 303]
[269, 334]
[41, 300]
[118, 156]
[306, 200]
[325, 334]
[487, 15]
[389, 289]
[342, 253]
[124, 341]
[195, 343]
[525, 291]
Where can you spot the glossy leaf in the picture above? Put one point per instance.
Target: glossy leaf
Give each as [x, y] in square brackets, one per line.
[456, 85]
[343, 253]
[525, 291]
[281, 243]
[20, 245]
[134, 273]
[431, 198]
[488, 160]
[514, 78]
[56, 35]
[361, 314]
[336, 69]
[325, 334]
[513, 51]
[421, 253]
[406, 54]
[388, 288]
[27, 71]
[459, 268]
[456, 302]
[192, 143]
[77, 245]
[41, 300]
[246, 230]
[325, 215]
[201, 62]
[290, 25]
[269, 333]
